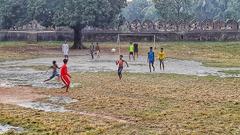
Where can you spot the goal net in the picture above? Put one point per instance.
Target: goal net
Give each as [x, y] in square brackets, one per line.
[136, 37]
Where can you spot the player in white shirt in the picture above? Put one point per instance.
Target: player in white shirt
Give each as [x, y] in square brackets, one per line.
[65, 50]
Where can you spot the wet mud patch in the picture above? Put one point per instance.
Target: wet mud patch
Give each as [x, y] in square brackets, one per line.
[57, 104]
[46, 107]
[18, 95]
[24, 73]
[61, 100]
[49, 104]
[5, 128]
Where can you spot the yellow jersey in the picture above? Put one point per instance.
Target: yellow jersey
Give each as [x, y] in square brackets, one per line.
[131, 48]
[161, 55]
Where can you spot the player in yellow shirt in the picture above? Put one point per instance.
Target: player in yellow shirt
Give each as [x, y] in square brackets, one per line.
[161, 58]
[131, 51]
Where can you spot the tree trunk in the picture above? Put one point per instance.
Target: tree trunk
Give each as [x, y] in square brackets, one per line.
[77, 39]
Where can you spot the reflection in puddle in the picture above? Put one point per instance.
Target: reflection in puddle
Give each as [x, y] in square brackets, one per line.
[9, 128]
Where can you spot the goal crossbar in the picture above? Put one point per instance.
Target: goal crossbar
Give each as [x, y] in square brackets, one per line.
[135, 35]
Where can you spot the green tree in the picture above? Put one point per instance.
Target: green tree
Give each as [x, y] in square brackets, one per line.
[13, 13]
[42, 10]
[135, 10]
[76, 14]
[151, 13]
[174, 10]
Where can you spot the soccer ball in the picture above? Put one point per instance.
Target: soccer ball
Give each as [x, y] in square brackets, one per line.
[113, 50]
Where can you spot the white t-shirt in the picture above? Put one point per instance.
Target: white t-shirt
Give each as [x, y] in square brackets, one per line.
[65, 49]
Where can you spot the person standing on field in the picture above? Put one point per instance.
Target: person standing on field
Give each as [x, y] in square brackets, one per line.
[131, 51]
[92, 49]
[161, 58]
[120, 63]
[98, 50]
[151, 59]
[65, 50]
[136, 50]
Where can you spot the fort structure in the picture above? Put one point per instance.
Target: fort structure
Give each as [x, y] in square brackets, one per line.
[207, 30]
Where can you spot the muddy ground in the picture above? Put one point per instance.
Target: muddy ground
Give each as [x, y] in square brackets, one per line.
[186, 98]
[29, 72]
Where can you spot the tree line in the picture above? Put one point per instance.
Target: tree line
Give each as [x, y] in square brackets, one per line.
[182, 10]
[77, 14]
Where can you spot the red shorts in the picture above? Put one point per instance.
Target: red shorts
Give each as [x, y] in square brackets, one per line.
[66, 80]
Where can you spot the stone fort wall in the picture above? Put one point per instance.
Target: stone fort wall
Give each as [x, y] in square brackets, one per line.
[112, 36]
[207, 30]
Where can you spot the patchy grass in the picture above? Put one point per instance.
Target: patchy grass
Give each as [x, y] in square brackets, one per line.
[232, 72]
[217, 54]
[23, 50]
[214, 54]
[161, 104]
[38, 122]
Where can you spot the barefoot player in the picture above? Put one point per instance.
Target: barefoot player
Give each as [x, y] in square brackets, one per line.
[65, 50]
[161, 57]
[120, 63]
[55, 72]
[65, 76]
[151, 59]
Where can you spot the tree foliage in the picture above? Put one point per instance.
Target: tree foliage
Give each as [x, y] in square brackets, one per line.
[13, 13]
[140, 10]
[182, 10]
[76, 14]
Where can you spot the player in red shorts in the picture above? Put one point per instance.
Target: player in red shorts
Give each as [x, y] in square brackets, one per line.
[65, 76]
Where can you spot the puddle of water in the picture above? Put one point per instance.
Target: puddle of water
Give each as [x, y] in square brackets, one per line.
[27, 76]
[62, 100]
[46, 107]
[5, 85]
[53, 106]
[9, 128]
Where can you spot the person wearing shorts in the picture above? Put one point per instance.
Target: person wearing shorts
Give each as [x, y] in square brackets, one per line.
[120, 64]
[98, 50]
[91, 49]
[162, 57]
[135, 50]
[65, 76]
[55, 72]
[131, 51]
[151, 59]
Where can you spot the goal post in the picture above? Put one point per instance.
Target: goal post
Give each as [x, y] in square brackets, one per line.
[134, 35]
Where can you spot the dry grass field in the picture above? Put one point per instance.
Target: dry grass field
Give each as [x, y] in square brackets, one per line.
[149, 104]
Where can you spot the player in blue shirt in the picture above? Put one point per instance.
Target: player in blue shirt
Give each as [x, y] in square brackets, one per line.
[151, 59]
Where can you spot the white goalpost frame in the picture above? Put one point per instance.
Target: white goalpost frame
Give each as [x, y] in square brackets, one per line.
[135, 35]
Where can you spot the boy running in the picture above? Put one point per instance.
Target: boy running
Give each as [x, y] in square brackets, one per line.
[131, 51]
[151, 59]
[65, 76]
[55, 72]
[120, 63]
[161, 57]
